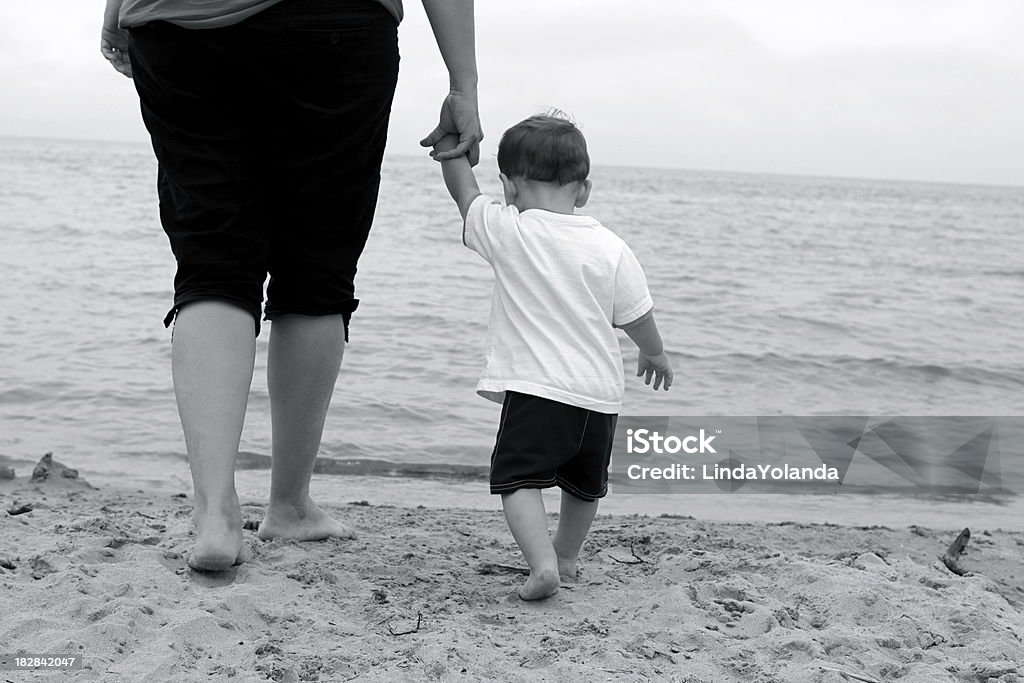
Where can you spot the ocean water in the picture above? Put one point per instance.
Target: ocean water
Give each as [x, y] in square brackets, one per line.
[776, 295]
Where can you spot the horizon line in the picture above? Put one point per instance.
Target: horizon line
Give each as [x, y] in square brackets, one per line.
[655, 167]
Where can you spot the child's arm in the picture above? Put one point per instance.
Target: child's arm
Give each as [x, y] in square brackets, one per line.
[652, 360]
[458, 175]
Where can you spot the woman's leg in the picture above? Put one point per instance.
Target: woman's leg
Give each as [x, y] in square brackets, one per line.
[305, 356]
[212, 356]
[328, 102]
[194, 94]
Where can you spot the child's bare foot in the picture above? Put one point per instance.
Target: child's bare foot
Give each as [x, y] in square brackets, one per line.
[568, 571]
[218, 541]
[303, 522]
[540, 585]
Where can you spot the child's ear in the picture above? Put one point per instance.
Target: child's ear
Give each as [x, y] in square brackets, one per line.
[509, 187]
[583, 195]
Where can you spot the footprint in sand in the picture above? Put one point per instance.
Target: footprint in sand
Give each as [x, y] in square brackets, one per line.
[217, 579]
[178, 563]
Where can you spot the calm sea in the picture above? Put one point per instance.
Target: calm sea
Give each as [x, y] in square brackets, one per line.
[775, 295]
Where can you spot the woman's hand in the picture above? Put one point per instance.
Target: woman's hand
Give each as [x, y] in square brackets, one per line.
[459, 116]
[114, 40]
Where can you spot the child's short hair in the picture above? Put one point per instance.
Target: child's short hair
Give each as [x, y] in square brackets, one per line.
[546, 148]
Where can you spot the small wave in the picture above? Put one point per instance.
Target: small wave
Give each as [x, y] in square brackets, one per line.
[929, 369]
[39, 392]
[973, 374]
[376, 467]
[817, 322]
[1018, 274]
[64, 230]
[967, 373]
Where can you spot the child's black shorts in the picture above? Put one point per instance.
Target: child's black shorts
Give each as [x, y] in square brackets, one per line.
[543, 443]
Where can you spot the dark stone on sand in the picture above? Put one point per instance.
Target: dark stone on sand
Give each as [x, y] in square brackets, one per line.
[47, 466]
[40, 568]
[6, 472]
[951, 558]
[15, 510]
[50, 470]
[6, 563]
[42, 468]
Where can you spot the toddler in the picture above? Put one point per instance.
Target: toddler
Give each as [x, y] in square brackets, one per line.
[562, 284]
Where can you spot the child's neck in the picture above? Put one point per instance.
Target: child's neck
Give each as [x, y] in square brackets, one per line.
[546, 196]
[569, 209]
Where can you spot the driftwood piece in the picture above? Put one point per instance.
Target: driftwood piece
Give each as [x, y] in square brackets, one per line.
[952, 556]
[493, 568]
[415, 629]
[850, 674]
[632, 551]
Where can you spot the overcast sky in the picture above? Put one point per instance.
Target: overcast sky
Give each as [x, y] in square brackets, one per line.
[910, 89]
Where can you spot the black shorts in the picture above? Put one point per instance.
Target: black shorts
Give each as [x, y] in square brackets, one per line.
[269, 135]
[543, 443]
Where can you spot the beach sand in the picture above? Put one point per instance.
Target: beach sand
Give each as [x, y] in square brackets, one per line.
[429, 594]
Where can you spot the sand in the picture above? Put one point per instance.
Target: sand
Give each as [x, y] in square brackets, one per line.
[429, 594]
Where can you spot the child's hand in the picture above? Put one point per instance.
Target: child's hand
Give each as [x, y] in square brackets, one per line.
[656, 366]
[445, 144]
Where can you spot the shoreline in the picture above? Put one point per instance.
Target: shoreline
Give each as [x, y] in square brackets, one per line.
[848, 509]
[411, 484]
[428, 593]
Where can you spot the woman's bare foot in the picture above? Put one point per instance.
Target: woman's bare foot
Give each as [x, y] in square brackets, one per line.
[303, 522]
[540, 585]
[218, 540]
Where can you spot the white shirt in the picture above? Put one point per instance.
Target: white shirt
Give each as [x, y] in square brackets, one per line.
[560, 283]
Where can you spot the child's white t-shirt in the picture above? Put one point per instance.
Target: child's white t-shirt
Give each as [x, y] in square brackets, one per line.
[560, 282]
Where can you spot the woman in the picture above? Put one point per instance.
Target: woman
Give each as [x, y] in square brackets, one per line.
[268, 119]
